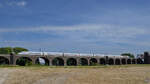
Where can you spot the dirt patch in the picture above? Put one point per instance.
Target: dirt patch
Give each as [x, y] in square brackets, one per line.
[54, 79]
[4, 73]
[46, 75]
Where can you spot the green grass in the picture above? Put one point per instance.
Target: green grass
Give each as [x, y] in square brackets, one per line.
[97, 66]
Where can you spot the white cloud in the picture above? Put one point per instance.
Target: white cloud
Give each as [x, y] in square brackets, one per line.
[97, 30]
[17, 3]
[22, 3]
[1, 5]
[86, 37]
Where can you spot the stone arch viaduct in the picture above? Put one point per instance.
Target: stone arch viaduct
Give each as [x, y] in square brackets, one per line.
[64, 60]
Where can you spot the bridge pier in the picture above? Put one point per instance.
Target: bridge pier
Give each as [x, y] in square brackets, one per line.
[50, 62]
[33, 61]
[88, 61]
[120, 62]
[98, 61]
[78, 61]
[65, 62]
[135, 61]
[126, 61]
[114, 62]
[11, 59]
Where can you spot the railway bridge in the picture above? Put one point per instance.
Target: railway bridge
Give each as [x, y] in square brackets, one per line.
[68, 60]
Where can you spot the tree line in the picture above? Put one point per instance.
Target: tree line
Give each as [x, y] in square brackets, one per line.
[8, 50]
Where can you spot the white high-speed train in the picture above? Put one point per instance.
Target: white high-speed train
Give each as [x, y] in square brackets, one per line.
[65, 54]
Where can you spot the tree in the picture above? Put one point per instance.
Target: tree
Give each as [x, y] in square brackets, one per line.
[128, 54]
[8, 50]
[5, 50]
[19, 49]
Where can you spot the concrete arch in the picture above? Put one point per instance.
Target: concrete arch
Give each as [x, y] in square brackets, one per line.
[72, 62]
[93, 61]
[102, 61]
[83, 61]
[58, 61]
[111, 61]
[133, 61]
[123, 61]
[44, 61]
[23, 61]
[117, 61]
[129, 61]
[4, 60]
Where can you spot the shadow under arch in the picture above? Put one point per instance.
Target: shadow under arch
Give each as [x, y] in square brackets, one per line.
[117, 61]
[111, 61]
[123, 61]
[24, 61]
[58, 61]
[83, 61]
[102, 61]
[71, 62]
[42, 61]
[128, 61]
[139, 61]
[93, 61]
[4, 61]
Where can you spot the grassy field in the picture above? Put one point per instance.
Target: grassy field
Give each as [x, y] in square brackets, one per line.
[125, 74]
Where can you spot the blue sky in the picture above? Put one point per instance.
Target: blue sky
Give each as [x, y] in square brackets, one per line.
[82, 26]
